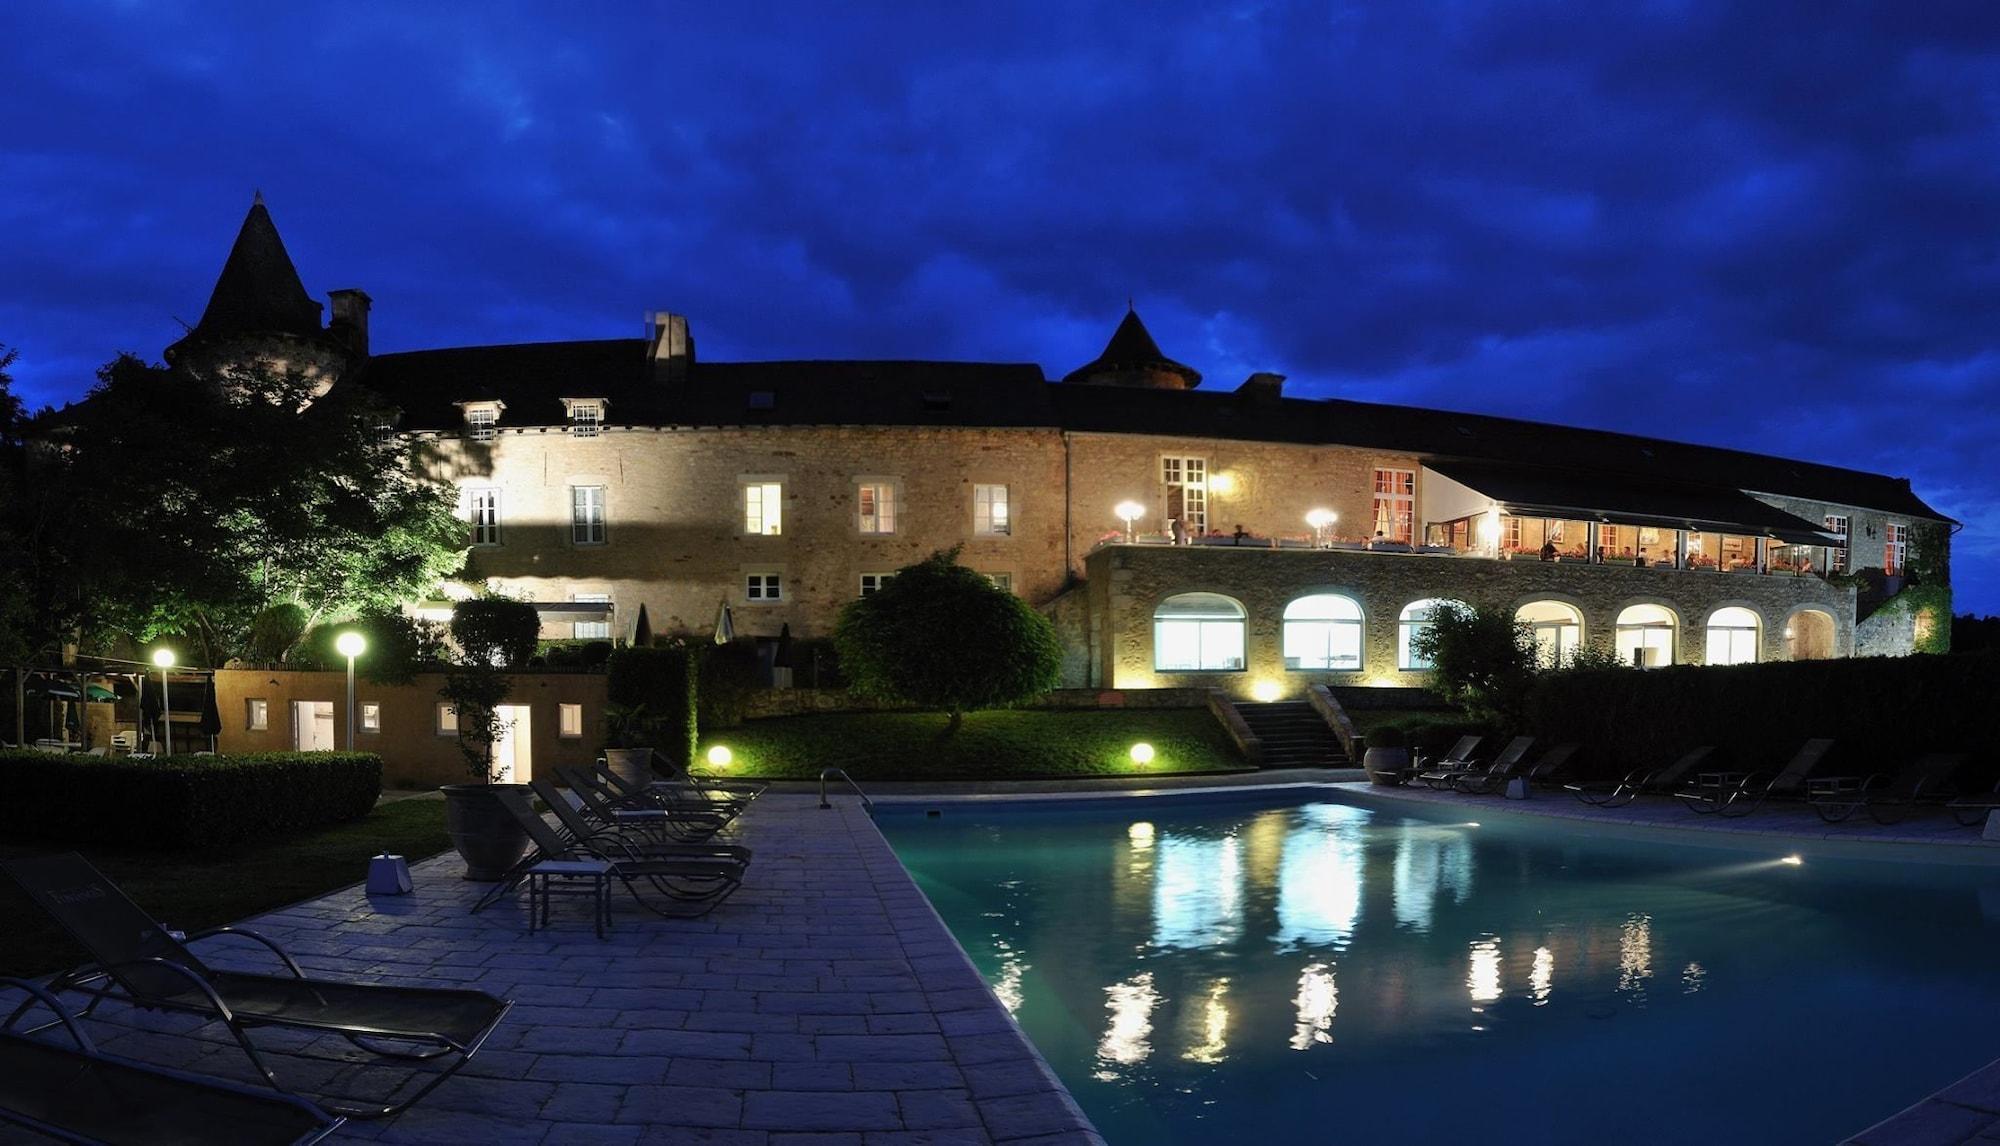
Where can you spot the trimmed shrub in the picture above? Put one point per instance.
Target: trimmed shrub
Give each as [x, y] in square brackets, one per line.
[199, 803]
[661, 683]
[497, 631]
[1882, 711]
[729, 674]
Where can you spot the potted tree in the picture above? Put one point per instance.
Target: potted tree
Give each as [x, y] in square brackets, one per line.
[1387, 759]
[490, 633]
[629, 735]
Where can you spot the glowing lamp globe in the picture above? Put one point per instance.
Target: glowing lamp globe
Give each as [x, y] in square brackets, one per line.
[350, 645]
[1321, 518]
[720, 756]
[1129, 511]
[1142, 753]
[163, 658]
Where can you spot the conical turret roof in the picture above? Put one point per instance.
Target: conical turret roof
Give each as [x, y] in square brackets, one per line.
[1132, 358]
[259, 291]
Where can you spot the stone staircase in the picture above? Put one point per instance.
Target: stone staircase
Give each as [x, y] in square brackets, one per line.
[1293, 735]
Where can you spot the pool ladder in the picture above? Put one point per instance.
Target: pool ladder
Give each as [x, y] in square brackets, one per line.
[826, 773]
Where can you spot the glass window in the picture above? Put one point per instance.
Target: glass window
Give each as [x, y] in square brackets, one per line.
[1198, 632]
[1732, 636]
[592, 630]
[989, 511]
[1416, 618]
[1557, 630]
[569, 721]
[483, 510]
[1396, 504]
[1895, 540]
[1186, 482]
[763, 511]
[371, 716]
[764, 587]
[481, 422]
[1323, 632]
[257, 714]
[1645, 636]
[878, 507]
[873, 581]
[586, 418]
[447, 719]
[1836, 554]
[586, 514]
[1002, 581]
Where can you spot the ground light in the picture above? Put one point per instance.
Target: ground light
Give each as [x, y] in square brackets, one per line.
[720, 756]
[1142, 754]
[1266, 690]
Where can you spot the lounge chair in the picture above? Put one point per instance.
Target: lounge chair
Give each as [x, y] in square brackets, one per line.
[140, 962]
[584, 832]
[1641, 781]
[1549, 770]
[687, 886]
[1459, 759]
[671, 793]
[1972, 810]
[1886, 798]
[1493, 777]
[1734, 794]
[74, 1092]
[744, 790]
[648, 811]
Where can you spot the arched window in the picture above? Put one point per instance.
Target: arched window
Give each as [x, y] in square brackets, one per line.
[1323, 632]
[1198, 632]
[1416, 618]
[1732, 636]
[1557, 627]
[1810, 635]
[1645, 636]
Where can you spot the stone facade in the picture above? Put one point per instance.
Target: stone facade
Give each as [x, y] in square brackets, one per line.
[1126, 583]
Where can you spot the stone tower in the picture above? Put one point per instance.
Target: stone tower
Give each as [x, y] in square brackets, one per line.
[1132, 358]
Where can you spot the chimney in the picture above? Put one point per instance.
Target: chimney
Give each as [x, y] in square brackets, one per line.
[1262, 387]
[673, 347]
[350, 318]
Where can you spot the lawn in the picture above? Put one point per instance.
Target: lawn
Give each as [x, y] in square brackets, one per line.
[1007, 744]
[188, 892]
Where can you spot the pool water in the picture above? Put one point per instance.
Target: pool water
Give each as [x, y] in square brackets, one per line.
[1327, 972]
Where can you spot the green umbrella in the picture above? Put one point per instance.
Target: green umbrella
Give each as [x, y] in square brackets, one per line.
[98, 692]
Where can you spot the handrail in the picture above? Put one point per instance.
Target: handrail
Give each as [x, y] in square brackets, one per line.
[846, 779]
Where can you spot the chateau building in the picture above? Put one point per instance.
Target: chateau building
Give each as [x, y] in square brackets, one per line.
[1177, 534]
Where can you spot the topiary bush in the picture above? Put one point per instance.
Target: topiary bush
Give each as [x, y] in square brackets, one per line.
[198, 803]
[658, 689]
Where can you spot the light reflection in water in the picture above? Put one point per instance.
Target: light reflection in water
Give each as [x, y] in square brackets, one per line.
[1541, 977]
[1141, 834]
[1429, 859]
[1319, 885]
[1316, 1000]
[1012, 968]
[1128, 1037]
[1635, 954]
[1214, 1031]
[1482, 978]
[1197, 891]
[1693, 979]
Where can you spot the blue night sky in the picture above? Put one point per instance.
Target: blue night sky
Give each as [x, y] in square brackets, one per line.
[1763, 225]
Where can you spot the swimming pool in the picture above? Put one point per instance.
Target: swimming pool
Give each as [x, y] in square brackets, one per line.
[1324, 971]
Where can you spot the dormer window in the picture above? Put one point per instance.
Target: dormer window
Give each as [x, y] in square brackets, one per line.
[482, 419]
[586, 416]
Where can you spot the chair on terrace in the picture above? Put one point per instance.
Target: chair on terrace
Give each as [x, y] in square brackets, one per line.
[1640, 781]
[140, 962]
[1494, 776]
[668, 794]
[1886, 798]
[700, 778]
[1550, 769]
[686, 886]
[1734, 794]
[1971, 810]
[568, 808]
[649, 812]
[1457, 760]
[73, 1092]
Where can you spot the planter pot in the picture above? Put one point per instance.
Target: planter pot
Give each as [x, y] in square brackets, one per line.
[487, 837]
[1386, 765]
[632, 765]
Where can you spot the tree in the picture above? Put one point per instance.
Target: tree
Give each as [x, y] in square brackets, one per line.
[18, 635]
[1482, 660]
[495, 630]
[208, 502]
[942, 636]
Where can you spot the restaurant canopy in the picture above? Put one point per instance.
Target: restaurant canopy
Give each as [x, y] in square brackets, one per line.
[1575, 495]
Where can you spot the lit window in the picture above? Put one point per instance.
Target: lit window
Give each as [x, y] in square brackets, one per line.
[1894, 548]
[1557, 629]
[371, 717]
[1323, 632]
[481, 422]
[593, 630]
[990, 517]
[569, 721]
[1510, 534]
[1002, 581]
[1186, 482]
[1732, 636]
[878, 507]
[586, 514]
[447, 719]
[1198, 632]
[1417, 617]
[483, 510]
[1836, 553]
[1644, 636]
[1396, 504]
[763, 587]
[763, 511]
[257, 714]
[586, 418]
[870, 582]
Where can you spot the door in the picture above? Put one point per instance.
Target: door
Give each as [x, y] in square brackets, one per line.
[312, 725]
[511, 763]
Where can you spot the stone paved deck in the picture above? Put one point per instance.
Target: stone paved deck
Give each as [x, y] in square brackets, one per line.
[825, 1003]
[1967, 1111]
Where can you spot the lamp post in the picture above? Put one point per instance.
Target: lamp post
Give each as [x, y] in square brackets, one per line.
[350, 645]
[1320, 520]
[164, 658]
[1129, 512]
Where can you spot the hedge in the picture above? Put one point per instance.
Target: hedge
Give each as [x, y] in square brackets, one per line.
[1882, 711]
[183, 802]
[664, 681]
